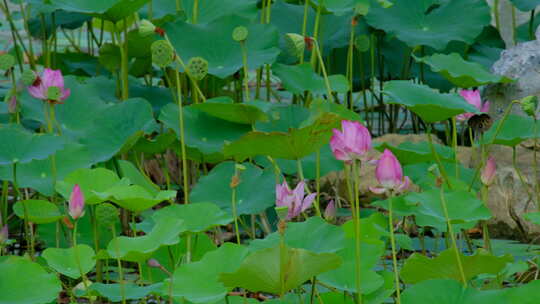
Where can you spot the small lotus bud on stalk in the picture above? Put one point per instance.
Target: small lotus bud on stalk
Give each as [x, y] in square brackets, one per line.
[330, 211]
[7, 61]
[198, 68]
[76, 203]
[162, 53]
[106, 214]
[240, 33]
[489, 172]
[529, 105]
[295, 44]
[153, 263]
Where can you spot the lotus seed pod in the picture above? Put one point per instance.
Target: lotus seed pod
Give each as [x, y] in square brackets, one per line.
[295, 44]
[240, 33]
[146, 28]
[106, 214]
[54, 93]
[198, 67]
[529, 105]
[7, 61]
[28, 77]
[162, 53]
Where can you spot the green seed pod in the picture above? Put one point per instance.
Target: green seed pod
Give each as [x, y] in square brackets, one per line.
[198, 67]
[7, 61]
[240, 33]
[529, 105]
[146, 28]
[162, 53]
[295, 44]
[28, 77]
[106, 214]
[54, 93]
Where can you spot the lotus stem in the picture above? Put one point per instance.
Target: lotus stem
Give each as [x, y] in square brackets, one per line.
[393, 245]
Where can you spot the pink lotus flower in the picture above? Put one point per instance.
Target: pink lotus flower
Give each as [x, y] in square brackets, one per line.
[330, 211]
[76, 203]
[489, 172]
[352, 142]
[49, 87]
[294, 200]
[472, 97]
[389, 174]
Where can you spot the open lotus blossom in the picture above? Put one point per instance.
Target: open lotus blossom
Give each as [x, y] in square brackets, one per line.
[389, 174]
[49, 87]
[489, 172]
[352, 142]
[295, 200]
[76, 203]
[473, 97]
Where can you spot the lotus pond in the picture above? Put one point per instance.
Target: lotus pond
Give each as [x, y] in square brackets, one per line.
[239, 151]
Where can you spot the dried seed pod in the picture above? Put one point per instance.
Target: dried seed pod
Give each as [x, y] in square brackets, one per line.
[295, 44]
[106, 214]
[198, 67]
[162, 53]
[240, 33]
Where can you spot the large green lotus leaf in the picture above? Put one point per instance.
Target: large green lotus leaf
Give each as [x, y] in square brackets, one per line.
[379, 296]
[425, 22]
[338, 7]
[525, 5]
[71, 261]
[254, 194]
[412, 153]
[197, 217]
[22, 146]
[328, 163]
[463, 207]
[140, 248]
[205, 133]
[344, 277]
[283, 117]
[329, 238]
[428, 103]
[112, 10]
[213, 41]
[224, 108]
[39, 211]
[450, 292]
[134, 197]
[524, 294]
[198, 282]
[156, 145]
[261, 271]
[91, 181]
[26, 282]
[210, 10]
[514, 130]
[462, 73]
[419, 268]
[135, 176]
[131, 291]
[323, 106]
[295, 144]
[298, 79]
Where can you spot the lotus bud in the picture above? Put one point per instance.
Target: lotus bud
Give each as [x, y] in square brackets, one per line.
[153, 263]
[352, 142]
[529, 105]
[489, 172]
[7, 61]
[28, 77]
[76, 203]
[198, 68]
[330, 211]
[389, 174]
[162, 53]
[106, 214]
[295, 44]
[146, 28]
[240, 33]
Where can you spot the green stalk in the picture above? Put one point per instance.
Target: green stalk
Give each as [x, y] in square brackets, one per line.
[535, 163]
[24, 14]
[350, 62]
[120, 270]
[514, 25]
[282, 256]
[195, 11]
[182, 137]
[268, 10]
[318, 182]
[453, 238]
[437, 158]
[455, 144]
[14, 34]
[301, 177]
[124, 62]
[485, 229]
[246, 72]
[304, 26]
[393, 245]
[27, 230]
[316, 30]
[356, 216]
[323, 69]
[234, 184]
[78, 260]
[496, 5]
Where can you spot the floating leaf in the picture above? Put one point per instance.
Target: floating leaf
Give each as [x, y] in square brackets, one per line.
[196, 217]
[26, 282]
[514, 130]
[419, 268]
[39, 211]
[71, 261]
[426, 102]
[460, 72]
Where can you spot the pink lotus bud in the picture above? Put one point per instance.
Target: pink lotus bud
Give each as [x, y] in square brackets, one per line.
[76, 203]
[473, 97]
[352, 142]
[330, 211]
[489, 172]
[389, 174]
[50, 87]
[295, 200]
[153, 263]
